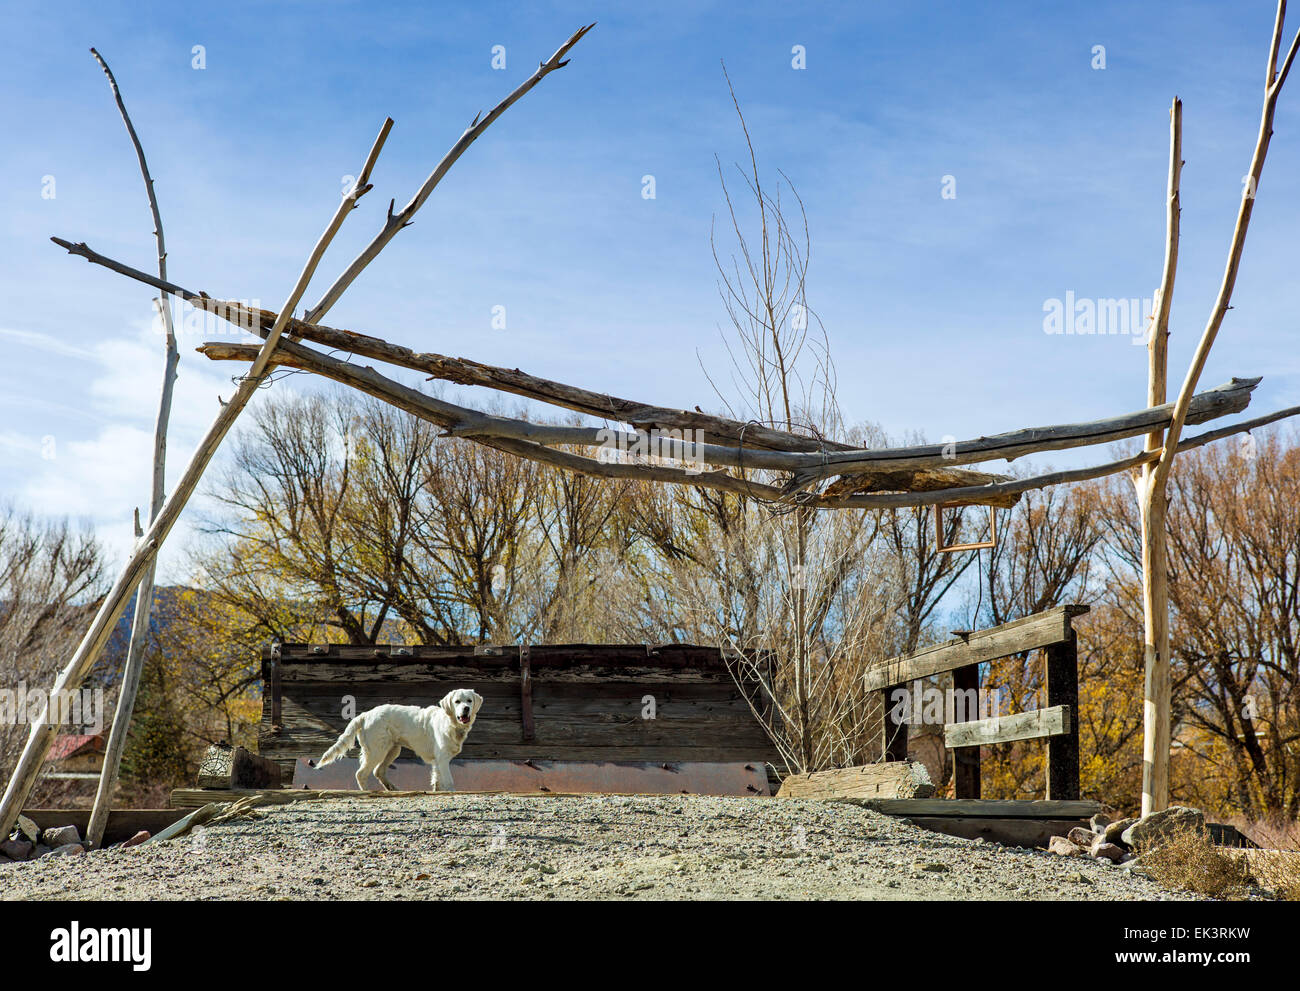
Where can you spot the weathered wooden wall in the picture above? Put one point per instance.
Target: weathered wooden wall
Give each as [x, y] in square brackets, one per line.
[586, 700]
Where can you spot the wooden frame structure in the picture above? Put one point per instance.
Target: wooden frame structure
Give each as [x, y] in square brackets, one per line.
[858, 478]
[1051, 632]
[978, 545]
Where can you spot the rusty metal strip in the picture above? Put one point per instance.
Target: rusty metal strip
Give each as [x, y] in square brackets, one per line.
[526, 692]
[555, 776]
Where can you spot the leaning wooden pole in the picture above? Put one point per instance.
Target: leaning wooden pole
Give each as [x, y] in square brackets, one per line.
[1156, 701]
[1152, 500]
[42, 733]
[144, 593]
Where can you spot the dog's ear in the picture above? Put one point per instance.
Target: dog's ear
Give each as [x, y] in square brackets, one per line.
[448, 704]
[478, 702]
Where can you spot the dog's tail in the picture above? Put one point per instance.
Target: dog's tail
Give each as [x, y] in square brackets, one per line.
[342, 745]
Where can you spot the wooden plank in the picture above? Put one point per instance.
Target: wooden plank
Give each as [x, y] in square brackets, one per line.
[331, 673]
[1029, 633]
[506, 657]
[982, 808]
[1063, 750]
[688, 725]
[286, 753]
[966, 759]
[506, 691]
[1009, 832]
[122, 824]
[890, 779]
[1033, 725]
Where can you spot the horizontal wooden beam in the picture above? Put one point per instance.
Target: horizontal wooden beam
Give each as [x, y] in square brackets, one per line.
[1052, 721]
[979, 807]
[889, 779]
[122, 823]
[1030, 633]
[1008, 832]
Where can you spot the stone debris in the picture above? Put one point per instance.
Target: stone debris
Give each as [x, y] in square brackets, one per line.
[1081, 837]
[1101, 850]
[17, 849]
[1064, 847]
[57, 836]
[1115, 830]
[1115, 842]
[29, 829]
[66, 850]
[1151, 830]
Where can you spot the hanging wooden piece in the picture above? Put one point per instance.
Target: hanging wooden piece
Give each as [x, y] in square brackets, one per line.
[943, 548]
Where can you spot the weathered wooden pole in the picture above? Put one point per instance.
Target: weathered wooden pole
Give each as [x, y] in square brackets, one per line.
[1152, 501]
[42, 733]
[1156, 701]
[144, 593]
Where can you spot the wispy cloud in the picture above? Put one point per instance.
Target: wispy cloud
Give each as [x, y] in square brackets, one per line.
[37, 341]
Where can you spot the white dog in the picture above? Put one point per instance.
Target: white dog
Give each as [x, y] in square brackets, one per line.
[436, 734]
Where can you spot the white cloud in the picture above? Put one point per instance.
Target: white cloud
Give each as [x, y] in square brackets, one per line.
[99, 469]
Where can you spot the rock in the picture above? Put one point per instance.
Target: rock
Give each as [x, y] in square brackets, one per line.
[66, 850]
[29, 829]
[40, 851]
[1099, 822]
[1132, 864]
[1081, 837]
[137, 839]
[1064, 847]
[1115, 831]
[17, 849]
[1101, 850]
[1160, 826]
[57, 836]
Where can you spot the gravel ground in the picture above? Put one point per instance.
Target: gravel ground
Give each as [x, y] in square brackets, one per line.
[585, 847]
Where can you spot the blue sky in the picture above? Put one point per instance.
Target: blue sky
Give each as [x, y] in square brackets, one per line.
[934, 305]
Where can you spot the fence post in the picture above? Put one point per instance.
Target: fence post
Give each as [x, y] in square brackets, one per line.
[1063, 750]
[966, 760]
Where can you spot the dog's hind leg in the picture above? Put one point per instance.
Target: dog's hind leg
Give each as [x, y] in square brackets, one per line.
[381, 772]
[367, 766]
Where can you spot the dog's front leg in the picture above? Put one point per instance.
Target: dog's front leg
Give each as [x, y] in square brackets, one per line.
[442, 777]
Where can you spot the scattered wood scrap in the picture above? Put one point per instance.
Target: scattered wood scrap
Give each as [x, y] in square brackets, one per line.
[891, 779]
